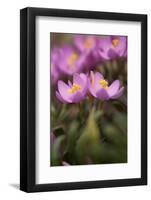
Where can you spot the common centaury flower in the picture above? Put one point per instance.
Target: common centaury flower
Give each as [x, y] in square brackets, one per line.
[113, 47]
[70, 61]
[73, 92]
[100, 88]
[85, 43]
[89, 46]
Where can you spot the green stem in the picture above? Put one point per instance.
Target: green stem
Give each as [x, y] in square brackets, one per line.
[80, 112]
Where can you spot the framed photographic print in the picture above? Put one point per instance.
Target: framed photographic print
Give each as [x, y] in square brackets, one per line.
[83, 98]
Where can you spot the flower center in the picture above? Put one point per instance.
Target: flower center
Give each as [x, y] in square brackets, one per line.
[103, 83]
[115, 42]
[72, 59]
[88, 43]
[75, 88]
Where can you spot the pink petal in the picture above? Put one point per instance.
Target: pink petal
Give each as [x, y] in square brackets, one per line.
[92, 88]
[112, 53]
[60, 98]
[94, 85]
[77, 79]
[102, 94]
[93, 82]
[85, 85]
[63, 90]
[81, 80]
[78, 41]
[120, 49]
[84, 77]
[119, 93]
[104, 46]
[98, 76]
[69, 83]
[77, 97]
[113, 88]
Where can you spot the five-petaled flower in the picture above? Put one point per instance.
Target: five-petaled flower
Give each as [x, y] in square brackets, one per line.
[73, 92]
[100, 88]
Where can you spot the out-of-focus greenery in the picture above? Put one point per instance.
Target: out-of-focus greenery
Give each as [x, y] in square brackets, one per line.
[92, 132]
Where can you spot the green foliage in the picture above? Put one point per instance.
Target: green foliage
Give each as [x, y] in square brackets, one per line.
[56, 151]
[88, 145]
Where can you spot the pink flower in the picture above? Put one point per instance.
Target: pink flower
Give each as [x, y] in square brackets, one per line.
[55, 72]
[113, 47]
[70, 61]
[100, 88]
[89, 46]
[73, 92]
[85, 43]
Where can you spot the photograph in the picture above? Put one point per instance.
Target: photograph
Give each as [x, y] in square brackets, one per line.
[83, 119]
[88, 99]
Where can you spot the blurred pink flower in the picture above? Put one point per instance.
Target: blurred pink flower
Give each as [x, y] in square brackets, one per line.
[55, 72]
[70, 61]
[85, 43]
[113, 47]
[90, 46]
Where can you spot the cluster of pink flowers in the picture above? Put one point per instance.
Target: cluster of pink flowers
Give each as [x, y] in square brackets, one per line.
[95, 84]
[78, 60]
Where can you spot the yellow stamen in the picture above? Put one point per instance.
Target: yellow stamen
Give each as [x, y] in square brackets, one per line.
[72, 59]
[75, 88]
[103, 83]
[88, 43]
[115, 42]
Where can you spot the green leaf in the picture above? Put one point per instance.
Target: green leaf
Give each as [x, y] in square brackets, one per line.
[120, 120]
[58, 131]
[56, 149]
[88, 145]
[72, 137]
[117, 141]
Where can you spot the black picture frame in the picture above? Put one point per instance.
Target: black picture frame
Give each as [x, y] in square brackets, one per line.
[28, 98]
